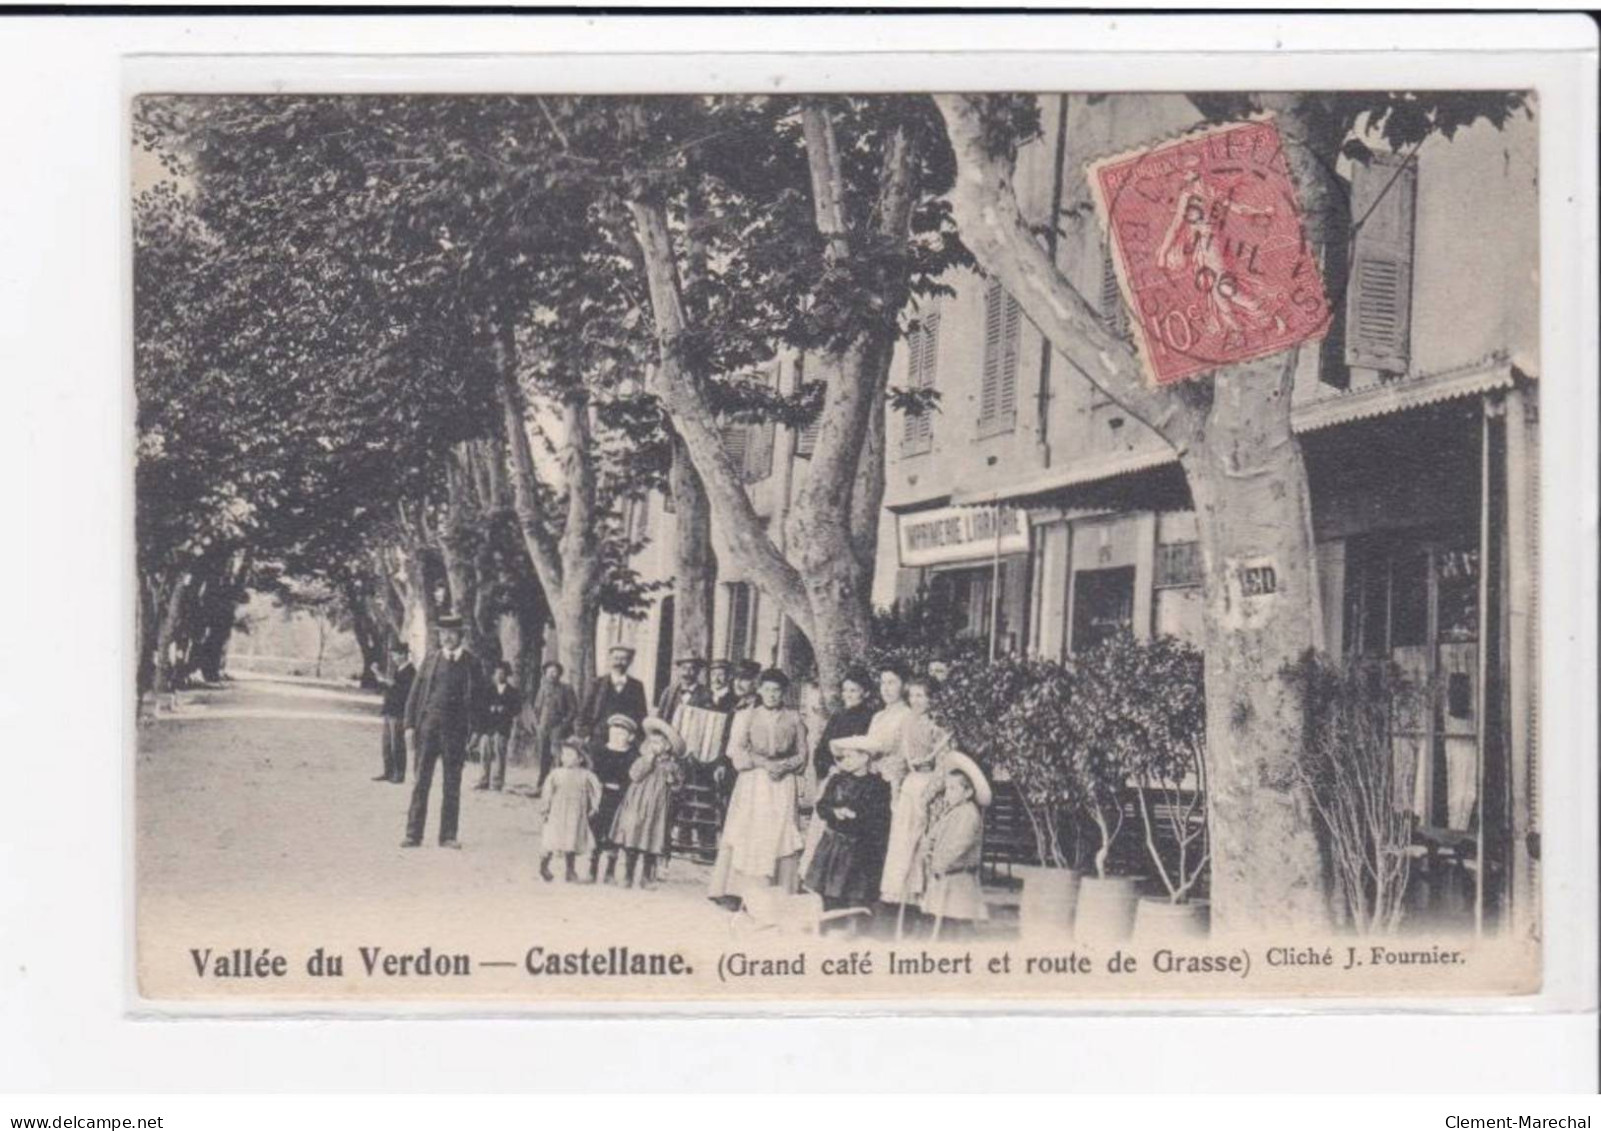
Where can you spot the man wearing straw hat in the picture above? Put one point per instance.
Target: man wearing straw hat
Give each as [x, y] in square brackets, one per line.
[686, 689]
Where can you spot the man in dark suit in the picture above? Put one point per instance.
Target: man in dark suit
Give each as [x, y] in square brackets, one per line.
[615, 693]
[396, 689]
[443, 712]
[686, 690]
[720, 693]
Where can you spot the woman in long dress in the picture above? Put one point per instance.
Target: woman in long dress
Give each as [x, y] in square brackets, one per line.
[850, 721]
[917, 766]
[761, 842]
[884, 729]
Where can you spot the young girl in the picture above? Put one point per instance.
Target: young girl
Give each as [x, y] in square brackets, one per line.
[953, 851]
[854, 811]
[567, 801]
[640, 827]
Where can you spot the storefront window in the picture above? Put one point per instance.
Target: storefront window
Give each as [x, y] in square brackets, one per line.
[1103, 605]
[1409, 600]
[1458, 571]
[965, 595]
[1178, 564]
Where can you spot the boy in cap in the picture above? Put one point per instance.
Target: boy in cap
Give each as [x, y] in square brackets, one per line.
[610, 760]
[396, 688]
[500, 712]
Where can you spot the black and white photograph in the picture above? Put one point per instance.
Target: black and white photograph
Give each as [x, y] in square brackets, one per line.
[917, 546]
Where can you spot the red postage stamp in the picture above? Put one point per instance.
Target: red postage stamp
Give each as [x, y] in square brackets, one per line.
[1208, 244]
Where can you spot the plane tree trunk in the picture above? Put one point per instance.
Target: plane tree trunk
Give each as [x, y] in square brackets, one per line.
[822, 579]
[1246, 474]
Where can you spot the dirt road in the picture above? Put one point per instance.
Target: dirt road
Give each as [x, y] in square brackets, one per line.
[259, 825]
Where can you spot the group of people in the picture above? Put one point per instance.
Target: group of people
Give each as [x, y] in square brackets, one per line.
[895, 826]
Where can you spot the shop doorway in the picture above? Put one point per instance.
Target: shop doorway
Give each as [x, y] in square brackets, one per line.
[1415, 599]
[1103, 605]
[664, 649]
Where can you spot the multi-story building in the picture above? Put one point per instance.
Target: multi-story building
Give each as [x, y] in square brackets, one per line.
[1048, 517]
[775, 460]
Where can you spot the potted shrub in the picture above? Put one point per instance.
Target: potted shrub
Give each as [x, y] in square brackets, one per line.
[1361, 786]
[1167, 714]
[1101, 757]
[1033, 744]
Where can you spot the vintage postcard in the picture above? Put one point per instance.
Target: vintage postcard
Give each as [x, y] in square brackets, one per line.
[947, 550]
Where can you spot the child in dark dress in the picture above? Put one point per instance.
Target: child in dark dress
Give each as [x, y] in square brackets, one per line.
[854, 809]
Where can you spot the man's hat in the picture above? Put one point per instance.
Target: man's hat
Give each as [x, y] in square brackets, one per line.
[962, 764]
[747, 669]
[655, 725]
[449, 620]
[696, 660]
[624, 721]
[719, 666]
[626, 649]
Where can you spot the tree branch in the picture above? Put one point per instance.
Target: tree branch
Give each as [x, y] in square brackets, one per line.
[993, 227]
[543, 551]
[696, 424]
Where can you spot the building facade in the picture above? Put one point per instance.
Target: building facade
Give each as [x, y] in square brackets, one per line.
[1419, 422]
[775, 460]
[1046, 517]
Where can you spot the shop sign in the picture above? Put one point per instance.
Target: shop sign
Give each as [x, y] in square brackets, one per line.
[961, 534]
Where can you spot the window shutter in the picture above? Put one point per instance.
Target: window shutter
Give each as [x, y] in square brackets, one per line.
[806, 438]
[759, 439]
[922, 354]
[1112, 308]
[759, 451]
[914, 374]
[1378, 312]
[990, 390]
[1011, 328]
[735, 439]
[1003, 319]
[929, 332]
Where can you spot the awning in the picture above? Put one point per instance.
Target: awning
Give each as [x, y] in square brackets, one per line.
[1486, 375]
[1399, 396]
